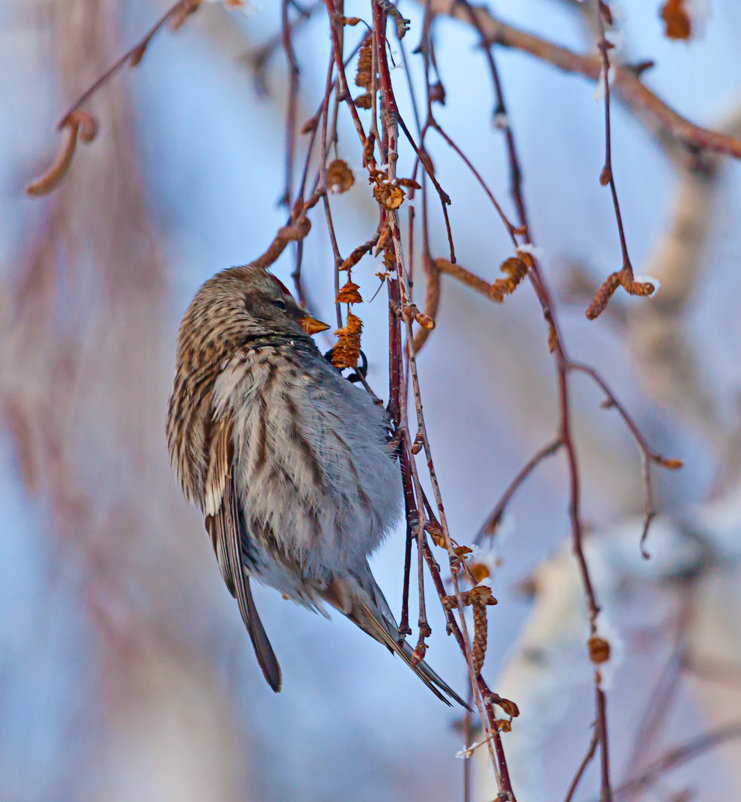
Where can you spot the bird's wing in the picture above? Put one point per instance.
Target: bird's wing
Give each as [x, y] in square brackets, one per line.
[225, 525]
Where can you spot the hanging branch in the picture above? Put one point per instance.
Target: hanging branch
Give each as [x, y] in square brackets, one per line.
[390, 116]
[71, 126]
[624, 277]
[648, 457]
[627, 82]
[492, 522]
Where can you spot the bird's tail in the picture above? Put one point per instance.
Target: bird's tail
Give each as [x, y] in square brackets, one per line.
[363, 602]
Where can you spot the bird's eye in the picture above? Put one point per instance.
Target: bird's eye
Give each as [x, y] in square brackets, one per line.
[280, 303]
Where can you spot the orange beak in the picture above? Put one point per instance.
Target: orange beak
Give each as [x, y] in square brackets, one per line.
[311, 325]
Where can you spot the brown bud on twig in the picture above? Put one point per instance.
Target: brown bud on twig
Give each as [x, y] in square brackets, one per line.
[413, 313]
[479, 571]
[605, 11]
[508, 706]
[677, 21]
[358, 253]
[409, 183]
[436, 533]
[669, 464]
[291, 233]
[137, 54]
[181, 13]
[382, 239]
[368, 149]
[599, 650]
[424, 320]
[421, 648]
[437, 94]
[88, 126]
[418, 655]
[602, 297]
[481, 594]
[339, 176]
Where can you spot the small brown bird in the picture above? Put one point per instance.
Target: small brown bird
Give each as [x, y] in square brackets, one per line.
[289, 462]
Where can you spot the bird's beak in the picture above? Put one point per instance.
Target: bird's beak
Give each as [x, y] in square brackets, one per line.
[311, 325]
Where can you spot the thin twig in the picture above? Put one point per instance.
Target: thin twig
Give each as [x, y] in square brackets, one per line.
[493, 520]
[294, 232]
[659, 703]
[591, 750]
[291, 102]
[134, 55]
[390, 119]
[627, 83]
[342, 87]
[258, 59]
[562, 380]
[608, 175]
[648, 457]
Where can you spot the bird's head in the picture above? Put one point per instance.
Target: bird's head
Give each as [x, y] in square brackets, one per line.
[235, 306]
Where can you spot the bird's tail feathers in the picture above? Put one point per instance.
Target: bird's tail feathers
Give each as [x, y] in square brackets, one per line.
[363, 602]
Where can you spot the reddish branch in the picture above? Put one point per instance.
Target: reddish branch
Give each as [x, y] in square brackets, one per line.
[399, 313]
[563, 366]
[292, 100]
[175, 15]
[295, 232]
[607, 177]
[565, 431]
[390, 119]
[627, 82]
[588, 757]
[648, 457]
[495, 517]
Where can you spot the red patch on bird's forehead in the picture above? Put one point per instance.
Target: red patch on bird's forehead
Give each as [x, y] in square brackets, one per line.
[282, 286]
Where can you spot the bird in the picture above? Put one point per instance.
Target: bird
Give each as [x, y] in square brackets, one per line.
[290, 463]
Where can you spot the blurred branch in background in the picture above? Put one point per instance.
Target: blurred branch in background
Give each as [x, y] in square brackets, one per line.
[83, 382]
[84, 366]
[627, 79]
[667, 363]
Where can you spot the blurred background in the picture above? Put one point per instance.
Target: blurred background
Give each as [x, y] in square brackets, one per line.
[125, 671]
